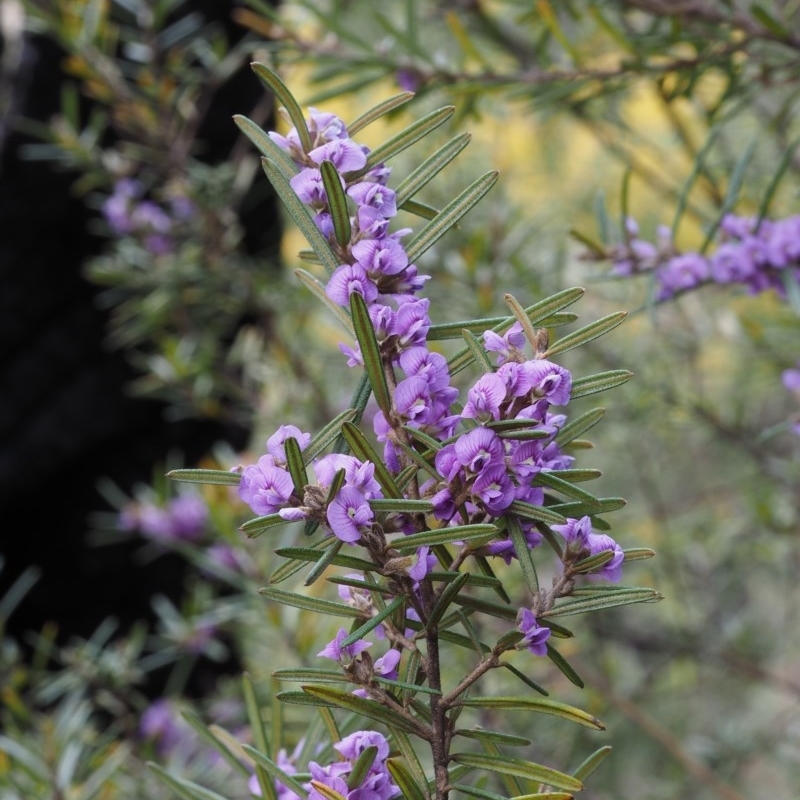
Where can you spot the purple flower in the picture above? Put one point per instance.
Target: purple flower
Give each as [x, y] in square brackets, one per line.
[411, 322]
[680, 273]
[478, 449]
[386, 665]
[549, 381]
[265, 487]
[424, 564]
[412, 399]
[352, 746]
[494, 488]
[275, 442]
[507, 345]
[345, 154]
[308, 186]
[350, 278]
[575, 532]
[535, 636]
[374, 195]
[336, 652]
[380, 256]
[611, 570]
[485, 397]
[731, 263]
[791, 379]
[421, 362]
[359, 474]
[348, 514]
[161, 723]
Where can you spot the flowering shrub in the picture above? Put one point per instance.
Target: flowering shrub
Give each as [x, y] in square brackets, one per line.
[419, 508]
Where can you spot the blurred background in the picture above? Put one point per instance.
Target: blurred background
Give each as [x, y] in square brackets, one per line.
[151, 319]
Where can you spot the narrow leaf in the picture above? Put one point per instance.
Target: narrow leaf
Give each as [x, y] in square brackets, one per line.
[308, 603]
[255, 527]
[301, 216]
[275, 772]
[444, 536]
[578, 426]
[295, 465]
[600, 382]
[449, 215]
[268, 148]
[364, 762]
[411, 760]
[326, 435]
[602, 505]
[563, 665]
[373, 622]
[525, 679]
[371, 353]
[519, 768]
[310, 674]
[309, 554]
[552, 481]
[638, 553]
[538, 705]
[524, 556]
[537, 513]
[444, 600]
[406, 137]
[493, 736]
[317, 288]
[325, 560]
[183, 788]
[431, 167]
[401, 505]
[592, 763]
[477, 351]
[587, 333]
[401, 775]
[286, 99]
[364, 451]
[220, 477]
[368, 117]
[205, 733]
[337, 202]
[618, 598]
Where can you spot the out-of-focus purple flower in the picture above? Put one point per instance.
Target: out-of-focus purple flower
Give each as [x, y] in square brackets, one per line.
[791, 378]
[348, 514]
[731, 263]
[407, 79]
[336, 652]
[183, 518]
[680, 273]
[161, 723]
[265, 487]
[535, 636]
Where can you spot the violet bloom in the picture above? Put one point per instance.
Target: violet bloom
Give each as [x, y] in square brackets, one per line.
[494, 488]
[345, 155]
[411, 322]
[731, 263]
[421, 362]
[350, 278]
[575, 532]
[506, 346]
[423, 565]
[412, 399]
[549, 381]
[611, 570]
[485, 397]
[265, 487]
[188, 516]
[309, 187]
[161, 723]
[782, 242]
[275, 443]
[680, 273]
[535, 636]
[374, 195]
[359, 474]
[352, 746]
[791, 379]
[336, 652]
[348, 514]
[386, 665]
[478, 449]
[380, 256]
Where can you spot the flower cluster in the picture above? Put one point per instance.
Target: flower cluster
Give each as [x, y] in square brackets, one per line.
[758, 254]
[129, 214]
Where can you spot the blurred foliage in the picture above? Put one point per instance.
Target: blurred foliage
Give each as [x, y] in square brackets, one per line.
[671, 112]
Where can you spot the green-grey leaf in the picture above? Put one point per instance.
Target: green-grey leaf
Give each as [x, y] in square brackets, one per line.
[406, 137]
[524, 557]
[295, 465]
[493, 736]
[205, 733]
[537, 513]
[255, 527]
[602, 505]
[268, 148]
[638, 553]
[600, 382]
[400, 505]
[409, 788]
[616, 598]
[368, 117]
[220, 477]
[301, 216]
[450, 215]
[519, 768]
[538, 705]
[373, 621]
[273, 82]
[525, 679]
[308, 603]
[586, 334]
[444, 536]
[274, 771]
[324, 561]
[327, 434]
[477, 351]
[431, 167]
[366, 708]
[317, 288]
[578, 426]
[371, 353]
[183, 788]
[363, 449]
[566, 668]
[565, 487]
[588, 766]
[445, 598]
[337, 202]
[309, 554]
[310, 674]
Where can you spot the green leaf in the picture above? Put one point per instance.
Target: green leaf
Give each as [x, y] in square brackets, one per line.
[310, 674]
[578, 426]
[309, 603]
[364, 451]
[374, 621]
[492, 736]
[592, 763]
[285, 571]
[587, 333]
[366, 708]
[317, 288]
[411, 760]
[477, 351]
[364, 762]
[401, 775]
[26, 757]
[301, 216]
[431, 167]
[268, 148]
[324, 561]
[309, 554]
[519, 768]
[183, 788]
[538, 705]
[222, 477]
[337, 202]
[274, 771]
[400, 505]
[422, 210]
[259, 732]
[483, 794]
[327, 434]
[273, 82]
[565, 487]
[600, 382]
[295, 465]
[563, 665]
[255, 527]
[450, 215]
[525, 679]
[371, 353]
[524, 557]
[638, 553]
[444, 536]
[488, 607]
[618, 597]
[537, 513]
[205, 733]
[405, 138]
[602, 505]
[769, 21]
[368, 117]
[326, 791]
[445, 598]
